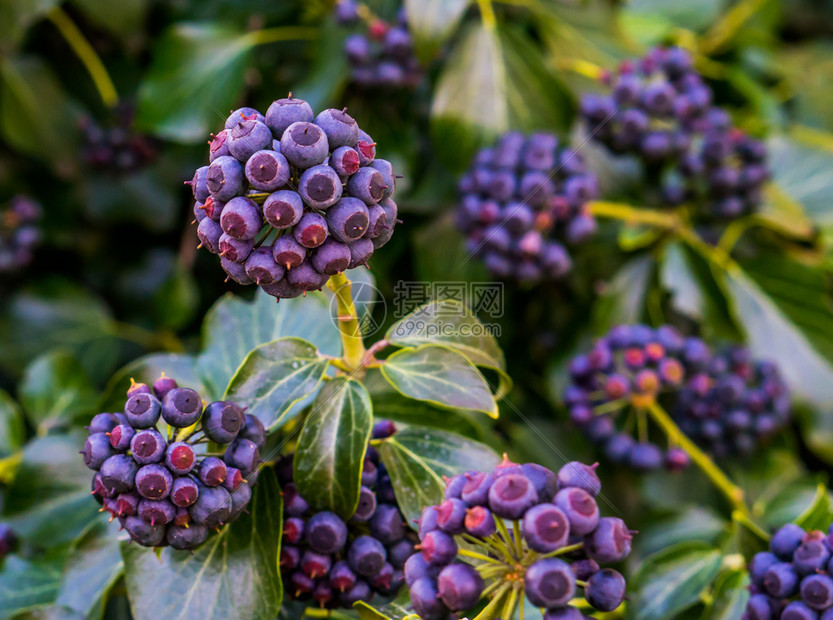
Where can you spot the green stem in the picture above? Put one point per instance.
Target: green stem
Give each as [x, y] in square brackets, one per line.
[478, 556]
[487, 14]
[634, 215]
[730, 490]
[348, 322]
[519, 539]
[489, 610]
[562, 551]
[745, 520]
[275, 35]
[509, 606]
[86, 54]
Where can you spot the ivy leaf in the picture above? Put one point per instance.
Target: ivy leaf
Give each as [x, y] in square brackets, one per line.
[677, 277]
[94, 565]
[440, 376]
[692, 523]
[16, 17]
[27, 584]
[801, 176]
[417, 458]
[673, 580]
[792, 502]
[45, 132]
[397, 609]
[55, 390]
[331, 447]
[275, 376]
[148, 369]
[195, 78]
[730, 595]
[433, 22]
[123, 18]
[819, 514]
[233, 327]
[12, 428]
[233, 575]
[51, 468]
[624, 296]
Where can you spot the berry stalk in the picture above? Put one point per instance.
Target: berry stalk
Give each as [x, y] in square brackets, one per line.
[348, 322]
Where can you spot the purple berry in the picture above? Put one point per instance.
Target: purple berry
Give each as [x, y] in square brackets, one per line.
[609, 542]
[511, 495]
[97, 449]
[225, 178]
[320, 187]
[579, 475]
[283, 112]
[545, 528]
[142, 410]
[212, 508]
[148, 446]
[312, 229]
[283, 209]
[459, 586]
[222, 421]
[118, 473]
[241, 219]
[288, 252]
[184, 492]
[304, 144]
[438, 548]
[605, 590]
[366, 556]
[247, 137]
[549, 583]
[326, 533]
[154, 481]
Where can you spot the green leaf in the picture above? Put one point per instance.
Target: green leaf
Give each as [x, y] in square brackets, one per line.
[93, 566]
[799, 499]
[233, 575]
[801, 174]
[48, 132]
[331, 447]
[124, 18]
[397, 609]
[57, 314]
[433, 22]
[49, 612]
[12, 427]
[55, 390]
[196, 76]
[417, 459]
[691, 16]
[624, 296]
[25, 584]
[772, 335]
[440, 376]
[440, 253]
[275, 376]
[690, 524]
[672, 580]
[234, 327]
[148, 369]
[819, 514]
[51, 468]
[677, 277]
[17, 16]
[730, 595]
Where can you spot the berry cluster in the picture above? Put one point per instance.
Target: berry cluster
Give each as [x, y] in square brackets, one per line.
[522, 200]
[19, 233]
[338, 563]
[290, 198]
[724, 401]
[8, 540]
[794, 579]
[539, 529]
[169, 492]
[660, 110]
[117, 147]
[384, 55]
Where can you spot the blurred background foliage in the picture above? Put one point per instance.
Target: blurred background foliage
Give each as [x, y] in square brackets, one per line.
[118, 274]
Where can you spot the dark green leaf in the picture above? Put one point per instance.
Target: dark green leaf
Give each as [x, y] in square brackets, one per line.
[146, 370]
[45, 132]
[624, 296]
[17, 16]
[234, 327]
[55, 390]
[93, 566]
[730, 595]
[440, 376]
[123, 18]
[792, 502]
[12, 428]
[53, 469]
[690, 524]
[418, 458]
[195, 78]
[433, 22]
[233, 575]
[56, 314]
[275, 376]
[331, 447]
[397, 609]
[672, 580]
[677, 276]
[819, 514]
[25, 584]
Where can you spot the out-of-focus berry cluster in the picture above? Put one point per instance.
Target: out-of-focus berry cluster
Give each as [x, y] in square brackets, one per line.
[383, 55]
[164, 491]
[19, 233]
[724, 401]
[522, 201]
[290, 198]
[794, 579]
[660, 110]
[540, 529]
[116, 147]
[336, 563]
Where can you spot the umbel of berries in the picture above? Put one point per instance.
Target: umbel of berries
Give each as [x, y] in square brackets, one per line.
[19, 233]
[523, 202]
[534, 533]
[724, 401]
[161, 485]
[116, 146]
[793, 580]
[660, 110]
[332, 562]
[290, 198]
[382, 55]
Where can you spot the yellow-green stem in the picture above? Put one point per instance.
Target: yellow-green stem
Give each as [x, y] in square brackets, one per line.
[633, 215]
[478, 556]
[348, 322]
[509, 606]
[275, 35]
[489, 610]
[487, 14]
[729, 25]
[730, 490]
[86, 54]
